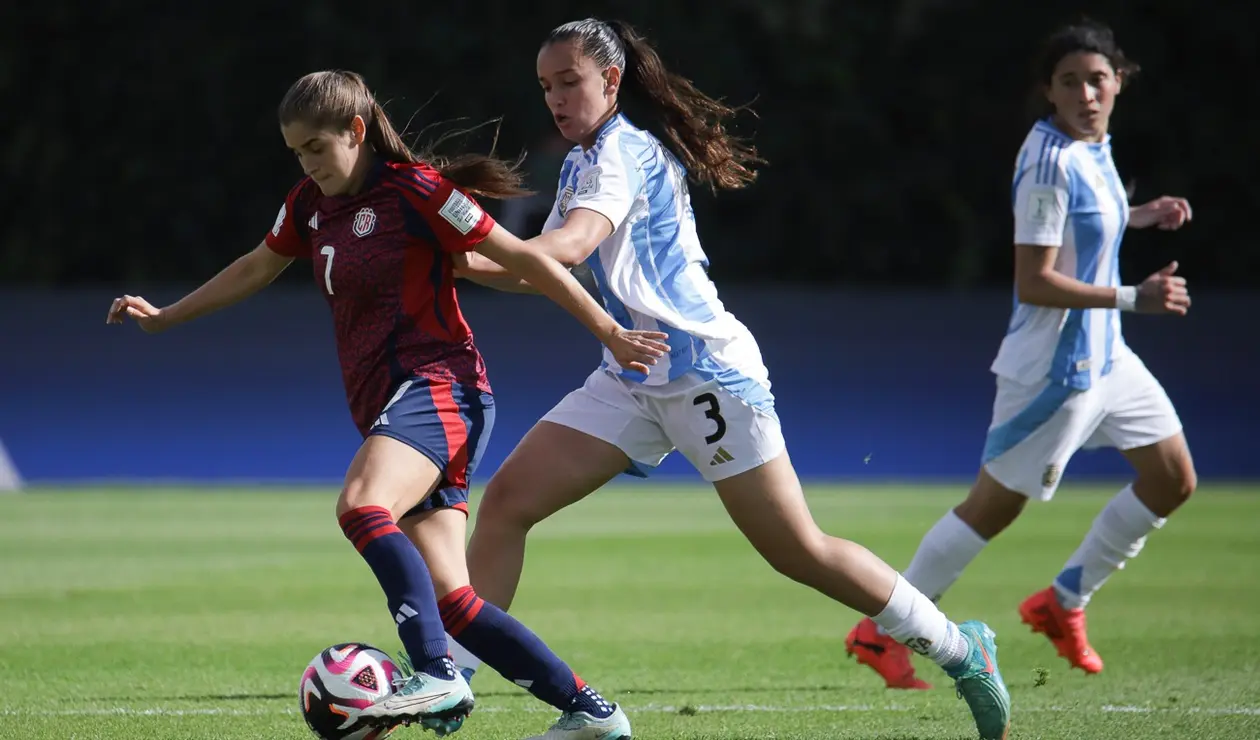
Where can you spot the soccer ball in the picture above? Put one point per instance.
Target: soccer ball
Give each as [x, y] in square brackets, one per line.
[341, 682]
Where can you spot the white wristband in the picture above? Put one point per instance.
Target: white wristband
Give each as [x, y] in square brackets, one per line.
[1126, 298]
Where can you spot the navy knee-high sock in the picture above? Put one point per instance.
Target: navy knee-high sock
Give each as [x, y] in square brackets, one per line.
[408, 588]
[517, 654]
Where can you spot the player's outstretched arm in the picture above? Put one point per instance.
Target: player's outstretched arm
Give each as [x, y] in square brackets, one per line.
[249, 274]
[633, 349]
[484, 271]
[580, 234]
[569, 245]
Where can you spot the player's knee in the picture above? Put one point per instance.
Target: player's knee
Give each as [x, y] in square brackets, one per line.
[1178, 485]
[355, 495]
[990, 507]
[505, 505]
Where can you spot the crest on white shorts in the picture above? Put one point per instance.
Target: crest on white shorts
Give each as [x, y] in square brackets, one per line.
[1050, 478]
[364, 222]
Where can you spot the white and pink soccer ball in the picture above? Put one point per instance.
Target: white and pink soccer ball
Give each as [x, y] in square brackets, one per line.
[339, 683]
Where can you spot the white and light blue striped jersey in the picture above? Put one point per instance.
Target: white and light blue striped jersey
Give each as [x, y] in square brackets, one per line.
[651, 271]
[1066, 194]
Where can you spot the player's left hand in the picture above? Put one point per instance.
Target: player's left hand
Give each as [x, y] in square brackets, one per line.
[1167, 212]
[635, 349]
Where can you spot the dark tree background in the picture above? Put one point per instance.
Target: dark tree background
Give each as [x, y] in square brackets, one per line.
[140, 141]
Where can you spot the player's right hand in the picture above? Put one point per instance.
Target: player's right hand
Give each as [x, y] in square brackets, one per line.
[1164, 292]
[148, 316]
[636, 349]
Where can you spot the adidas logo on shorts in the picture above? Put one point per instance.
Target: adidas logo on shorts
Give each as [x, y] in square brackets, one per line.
[721, 456]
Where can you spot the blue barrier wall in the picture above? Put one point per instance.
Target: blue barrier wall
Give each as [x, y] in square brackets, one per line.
[869, 385]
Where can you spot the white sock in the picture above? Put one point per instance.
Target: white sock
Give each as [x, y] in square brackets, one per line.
[913, 620]
[946, 550]
[463, 659]
[1118, 533]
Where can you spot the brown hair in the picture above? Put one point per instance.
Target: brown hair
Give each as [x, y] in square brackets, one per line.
[330, 100]
[693, 123]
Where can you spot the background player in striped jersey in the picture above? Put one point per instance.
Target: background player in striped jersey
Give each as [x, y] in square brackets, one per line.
[381, 226]
[1065, 378]
[623, 209]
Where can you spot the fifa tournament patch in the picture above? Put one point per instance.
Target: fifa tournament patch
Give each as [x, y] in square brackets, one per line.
[460, 212]
[275, 230]
[590, 182]
[1043, 206]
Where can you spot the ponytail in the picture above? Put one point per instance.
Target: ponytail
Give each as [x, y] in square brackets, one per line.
[693, 124]
[331, 100]
[385, 141]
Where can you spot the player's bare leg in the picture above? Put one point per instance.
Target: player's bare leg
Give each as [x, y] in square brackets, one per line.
[559, 466]
[386, 479]
[768, 506]
[1165, 480]
[552, 467]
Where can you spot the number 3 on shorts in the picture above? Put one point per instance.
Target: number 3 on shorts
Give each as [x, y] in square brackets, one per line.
[713, 412]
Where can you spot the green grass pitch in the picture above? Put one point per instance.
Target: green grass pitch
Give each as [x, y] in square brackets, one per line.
[191, 613]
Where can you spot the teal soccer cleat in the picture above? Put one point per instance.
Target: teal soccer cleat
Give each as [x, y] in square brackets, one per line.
[978, 681]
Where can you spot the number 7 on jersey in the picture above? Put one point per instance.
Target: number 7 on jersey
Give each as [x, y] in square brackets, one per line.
[328, 252]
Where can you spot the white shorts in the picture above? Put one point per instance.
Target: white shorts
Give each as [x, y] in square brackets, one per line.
[1037, 428]
[718, 432]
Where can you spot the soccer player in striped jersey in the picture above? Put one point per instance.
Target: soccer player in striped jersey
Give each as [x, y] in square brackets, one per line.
[1065, 378]
[623, 210]
[383, 229]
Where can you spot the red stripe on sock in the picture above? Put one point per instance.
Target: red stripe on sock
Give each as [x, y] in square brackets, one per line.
[353, 514]
[366, 524]
[355, 529]
[459, 608]
[577, 680]
[456, 602]
[374, 534]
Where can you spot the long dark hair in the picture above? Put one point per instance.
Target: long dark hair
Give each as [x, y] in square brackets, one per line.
[1084, 35]
[693, 123]
[330, 100]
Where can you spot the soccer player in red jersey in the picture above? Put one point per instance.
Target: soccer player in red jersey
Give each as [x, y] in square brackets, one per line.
[383, 229]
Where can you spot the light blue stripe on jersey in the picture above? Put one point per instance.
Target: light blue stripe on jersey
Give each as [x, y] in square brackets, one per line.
[1088, 230]
[657, 248]
[612, 303]
[1003, 437]
[1103, 158]
[737, 384]
[1048, 163]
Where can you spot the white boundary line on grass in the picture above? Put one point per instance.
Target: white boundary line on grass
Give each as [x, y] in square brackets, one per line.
[647, 708]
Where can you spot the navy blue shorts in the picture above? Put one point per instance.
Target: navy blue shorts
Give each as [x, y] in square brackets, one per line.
[449, 424]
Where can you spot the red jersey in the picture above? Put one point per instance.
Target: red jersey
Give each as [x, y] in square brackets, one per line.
[382, 260]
